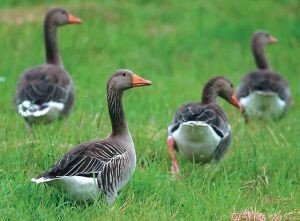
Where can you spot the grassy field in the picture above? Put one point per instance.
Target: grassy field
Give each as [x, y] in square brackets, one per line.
[178, 45]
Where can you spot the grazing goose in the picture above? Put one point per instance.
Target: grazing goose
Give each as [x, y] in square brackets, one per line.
[100, 166]
[200, 131]
[45, 93]
[263, 93]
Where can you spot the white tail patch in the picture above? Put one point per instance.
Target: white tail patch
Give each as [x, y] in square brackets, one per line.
[78, 187]
[42, 180]
[196, 140]
[51, 109]
[263, 104]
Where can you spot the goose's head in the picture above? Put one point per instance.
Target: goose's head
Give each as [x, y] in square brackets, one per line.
[263, 38]
[124, 79]
[221, 86]
[59, 16]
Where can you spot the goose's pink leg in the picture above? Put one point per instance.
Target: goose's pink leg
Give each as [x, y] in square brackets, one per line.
[174, 166]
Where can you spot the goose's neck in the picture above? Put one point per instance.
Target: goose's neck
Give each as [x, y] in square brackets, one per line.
[52, 52]
[259, 55]
[209, 94]
[116, 112]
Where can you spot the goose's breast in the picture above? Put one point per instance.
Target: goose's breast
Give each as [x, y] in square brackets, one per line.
[196, 140]
[263, 104]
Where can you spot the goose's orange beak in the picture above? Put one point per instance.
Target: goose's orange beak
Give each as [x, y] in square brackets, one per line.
[273, 40]
[234, 101]
[138, 81]
[73, 20]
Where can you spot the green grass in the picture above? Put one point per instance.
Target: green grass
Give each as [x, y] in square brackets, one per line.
[178, 45]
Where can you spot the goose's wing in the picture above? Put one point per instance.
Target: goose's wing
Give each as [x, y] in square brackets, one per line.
[44, 84]
[88, 159]
[210, 114]
[264, 80]
[223, 146]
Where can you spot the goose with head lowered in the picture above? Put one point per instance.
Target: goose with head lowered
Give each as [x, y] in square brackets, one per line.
[263, 93]
[200, 131]
[45, 93]
[100, 166]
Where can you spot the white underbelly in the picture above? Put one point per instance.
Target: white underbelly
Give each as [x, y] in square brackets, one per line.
[78, 187]
[263, 105]
[196, 140]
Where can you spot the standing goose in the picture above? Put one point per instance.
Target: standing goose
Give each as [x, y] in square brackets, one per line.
[200, 131]
[263, 93]
[45, 93]
[100, 166]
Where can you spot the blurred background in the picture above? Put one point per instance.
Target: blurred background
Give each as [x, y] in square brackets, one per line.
[178, 45]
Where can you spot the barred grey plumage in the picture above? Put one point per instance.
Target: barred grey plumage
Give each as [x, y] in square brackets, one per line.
[263, 93]
[45, 93]
[100, 166]
[200, 131]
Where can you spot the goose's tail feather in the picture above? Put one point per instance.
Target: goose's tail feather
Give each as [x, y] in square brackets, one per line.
[29, 109]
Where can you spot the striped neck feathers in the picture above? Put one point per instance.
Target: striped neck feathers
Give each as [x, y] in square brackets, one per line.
[116, 112]
[259, 54]
[52, 52]
[209, 93]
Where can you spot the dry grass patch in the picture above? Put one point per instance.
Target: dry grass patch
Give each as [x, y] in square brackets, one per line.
[251, 215]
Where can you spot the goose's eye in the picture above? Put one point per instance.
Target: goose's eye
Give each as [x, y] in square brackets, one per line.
[124, 74]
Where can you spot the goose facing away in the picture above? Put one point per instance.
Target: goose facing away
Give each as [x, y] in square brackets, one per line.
[100, 166]
[45, 93]
[263, 93]
[200, 131]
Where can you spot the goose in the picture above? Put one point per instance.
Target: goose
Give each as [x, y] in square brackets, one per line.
[100, 166]
[263, 93]
[200, 131]
[45, 93]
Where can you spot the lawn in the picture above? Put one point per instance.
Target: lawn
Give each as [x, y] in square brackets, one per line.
[178, 45]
